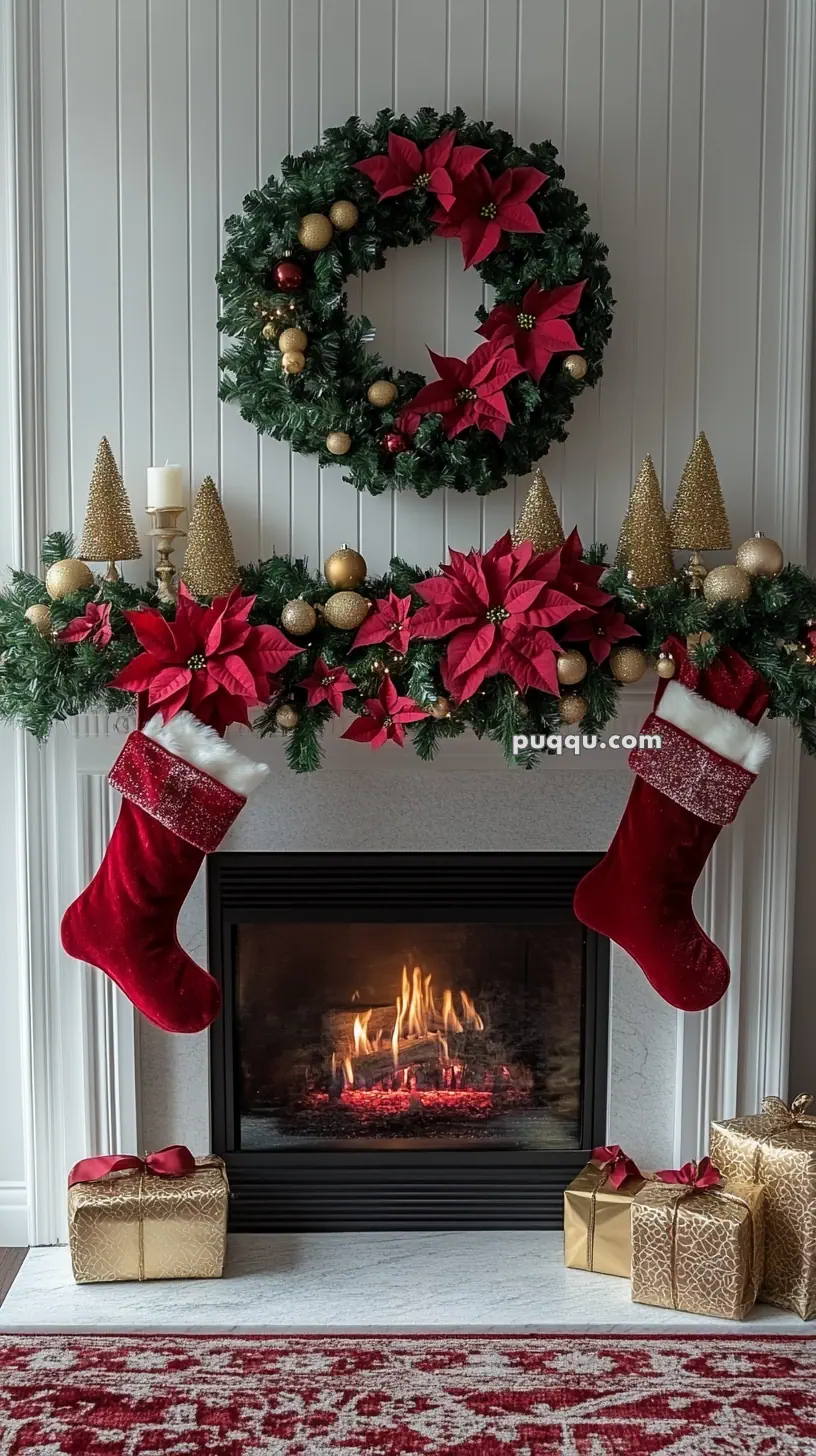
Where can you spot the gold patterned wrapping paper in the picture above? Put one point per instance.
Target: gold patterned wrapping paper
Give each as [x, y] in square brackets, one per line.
[598, 1223]
[698, 1251]
[142, 1226]
[777, 1148]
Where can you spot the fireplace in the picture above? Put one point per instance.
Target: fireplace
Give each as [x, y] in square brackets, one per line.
[408, 1041]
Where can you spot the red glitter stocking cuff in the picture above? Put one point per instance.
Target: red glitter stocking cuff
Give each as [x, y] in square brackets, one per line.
[185, 799]
[693, 775]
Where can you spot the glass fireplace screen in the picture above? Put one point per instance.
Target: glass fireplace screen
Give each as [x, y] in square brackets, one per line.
[409, 1034]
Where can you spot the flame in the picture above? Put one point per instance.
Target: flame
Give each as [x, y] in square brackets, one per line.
[416, 1020]
[362, 1045]
[348, 1071]
[471, 1015]
[397, 1033]
[450, 1021]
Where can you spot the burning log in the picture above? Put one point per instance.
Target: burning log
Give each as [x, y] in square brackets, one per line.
[379, 1066]
[338, 1024]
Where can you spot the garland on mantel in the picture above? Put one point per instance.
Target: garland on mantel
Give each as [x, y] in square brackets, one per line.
[436, 653]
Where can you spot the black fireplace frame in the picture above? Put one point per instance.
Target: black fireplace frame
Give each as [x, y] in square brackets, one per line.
[295, 1190]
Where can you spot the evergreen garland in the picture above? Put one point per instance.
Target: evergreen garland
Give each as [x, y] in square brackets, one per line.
[331, 393]
[43, 682]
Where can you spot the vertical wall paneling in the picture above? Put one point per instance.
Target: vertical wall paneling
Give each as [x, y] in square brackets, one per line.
[204, 238]
[57, 400]
[304, 100]
[650, 225]
[274, 142]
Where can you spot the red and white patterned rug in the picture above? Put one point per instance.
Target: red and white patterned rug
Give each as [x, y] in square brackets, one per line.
[374, 1396]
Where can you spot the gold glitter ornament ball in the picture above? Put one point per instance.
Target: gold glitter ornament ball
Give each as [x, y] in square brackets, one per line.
[298, 617]
[292, 339]
[67, 576]
[440, 708]
[269, 329]
[381, 393]
[293, 361]
[665, 665]
[572, 708]
[571, 668]
[338, 442]
[575, 365]
[760, 556]
[727, 584]
[628, 664]
[344, 215]
[315, 231]
[40, 617]
[346, 610]
[287, 716]
[345, 569]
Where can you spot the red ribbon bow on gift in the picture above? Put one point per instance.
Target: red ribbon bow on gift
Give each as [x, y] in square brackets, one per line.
[172, 1162]
[697, 1177]
[614, 1162]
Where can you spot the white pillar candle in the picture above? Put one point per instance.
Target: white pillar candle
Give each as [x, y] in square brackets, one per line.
[165, 488]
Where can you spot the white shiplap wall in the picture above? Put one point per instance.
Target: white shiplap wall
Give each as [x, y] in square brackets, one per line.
[131, 128]
[159, 115]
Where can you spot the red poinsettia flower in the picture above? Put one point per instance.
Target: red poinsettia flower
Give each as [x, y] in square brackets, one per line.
[496, 607]
[601, 631]
[484, 207]
[208, 660]
[538, 327]
[468, 391]
[441, 168]
[389, 623]
[385, 717]
[577, 578]
[94, 624]
[327, 685]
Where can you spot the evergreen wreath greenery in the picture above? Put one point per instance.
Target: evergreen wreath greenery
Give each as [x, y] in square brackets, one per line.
[331, 394]
[43, 681]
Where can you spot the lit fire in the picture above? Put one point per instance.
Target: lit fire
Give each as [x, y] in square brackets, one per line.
[421, 1033]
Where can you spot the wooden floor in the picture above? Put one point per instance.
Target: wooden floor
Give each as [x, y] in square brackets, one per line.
[10, 1263]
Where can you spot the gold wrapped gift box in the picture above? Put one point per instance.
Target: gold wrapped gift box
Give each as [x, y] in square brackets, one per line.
[699, 1250]
[598, 1222]
[139, 1225]
[777, 1148]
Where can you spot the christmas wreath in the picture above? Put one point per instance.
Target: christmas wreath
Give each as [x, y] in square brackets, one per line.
[298, 365]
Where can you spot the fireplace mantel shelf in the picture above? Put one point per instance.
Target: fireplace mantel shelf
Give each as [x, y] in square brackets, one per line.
[503, 1282]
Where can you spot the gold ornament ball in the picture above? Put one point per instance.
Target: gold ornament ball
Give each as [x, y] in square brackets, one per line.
[67, 576]
[572, 708]
[269, 330]
[346, 610]
[287, 716]
[298, 617]
[315, 231]
[628, 664]
[575, 365]
[760, 556]
[571, 668]
[345, 569]
[665, 665]
[292, 339]
[344, 215]
[293, 361]
[40, 617]
[727, 584]
[382, 393]
[440, 708]
[338, 442]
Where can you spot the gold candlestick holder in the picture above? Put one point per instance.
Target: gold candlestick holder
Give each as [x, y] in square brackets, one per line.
[166, 530]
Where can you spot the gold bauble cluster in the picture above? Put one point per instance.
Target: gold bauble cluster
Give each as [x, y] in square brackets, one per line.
[315, 232]
[381, 393]
[345, 569]
[338, 442]
[293, 361]
[573, 708]
[760, 556]
[726, 584]
[298, 617]
[40, 617]
[346, 610]
[66, 577]
[628, 664]
[571, 668]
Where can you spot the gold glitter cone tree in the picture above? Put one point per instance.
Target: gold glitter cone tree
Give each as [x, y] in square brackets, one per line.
[645, 532]
[698, 518]
[209, 568]
[539, 521]
[109, 532]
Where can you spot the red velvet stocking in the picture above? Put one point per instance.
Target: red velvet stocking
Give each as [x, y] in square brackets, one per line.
[173, 813]
[640, 893]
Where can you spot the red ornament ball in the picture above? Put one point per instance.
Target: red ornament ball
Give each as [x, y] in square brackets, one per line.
[288, 277]
[395, 442]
